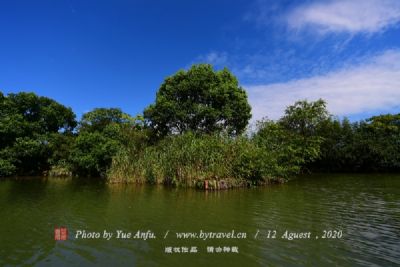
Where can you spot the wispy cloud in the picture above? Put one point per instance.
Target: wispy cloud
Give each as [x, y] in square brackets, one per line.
[217, 59]
[345, 16]
[370, 85]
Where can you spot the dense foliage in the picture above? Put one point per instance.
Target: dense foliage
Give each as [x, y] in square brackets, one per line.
[30, 128]
[371, 145]
[101, 134]
[191, 136]
[200, 100]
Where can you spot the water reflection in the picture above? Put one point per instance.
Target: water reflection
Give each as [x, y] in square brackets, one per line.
[366, 208]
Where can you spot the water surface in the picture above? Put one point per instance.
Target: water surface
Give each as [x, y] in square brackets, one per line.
[364, 208]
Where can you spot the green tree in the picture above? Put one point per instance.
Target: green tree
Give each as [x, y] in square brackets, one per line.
[27, 123]
[285, 148]
[200, 100]
[305, 117]
[381, 135]
[303, 120]
[101, 118]
[91, 153]
[101, 134]
[338, 146]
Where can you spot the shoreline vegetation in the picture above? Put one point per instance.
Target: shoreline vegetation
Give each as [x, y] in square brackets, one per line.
[194, 135]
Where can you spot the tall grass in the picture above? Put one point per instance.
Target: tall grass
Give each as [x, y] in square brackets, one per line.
[189, 160]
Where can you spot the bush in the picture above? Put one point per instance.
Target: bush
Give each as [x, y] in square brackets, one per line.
[6, 168]
[91, 154]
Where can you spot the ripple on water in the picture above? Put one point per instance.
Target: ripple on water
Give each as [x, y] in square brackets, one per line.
[365, 209]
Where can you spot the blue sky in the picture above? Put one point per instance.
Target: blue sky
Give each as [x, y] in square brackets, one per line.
[88, 54]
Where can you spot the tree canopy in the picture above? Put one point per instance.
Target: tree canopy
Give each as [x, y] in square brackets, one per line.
[100, 118]
[101, 134]
[294, 139]
[305, 117]
[27, 126]
[200, 100]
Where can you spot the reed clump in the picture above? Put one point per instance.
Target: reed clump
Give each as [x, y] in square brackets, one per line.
[189, 160]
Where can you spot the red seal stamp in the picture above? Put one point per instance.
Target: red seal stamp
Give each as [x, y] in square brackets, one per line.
[60, 233]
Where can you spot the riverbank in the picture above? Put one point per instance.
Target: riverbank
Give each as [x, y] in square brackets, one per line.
[210, 184]
[202, 184]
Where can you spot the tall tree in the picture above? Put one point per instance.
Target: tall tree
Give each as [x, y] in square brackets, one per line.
[303, 121]
[201, 100]
[305, 117]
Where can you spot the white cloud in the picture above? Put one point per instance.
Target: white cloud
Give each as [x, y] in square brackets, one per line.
[371, 85]
[348, 16]
[218, 59]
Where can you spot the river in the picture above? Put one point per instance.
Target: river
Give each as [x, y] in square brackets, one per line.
[359, 216]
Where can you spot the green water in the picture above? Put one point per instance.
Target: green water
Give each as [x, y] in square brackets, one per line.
[365, 209]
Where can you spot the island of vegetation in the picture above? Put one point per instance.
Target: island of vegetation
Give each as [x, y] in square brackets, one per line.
[194, 135]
